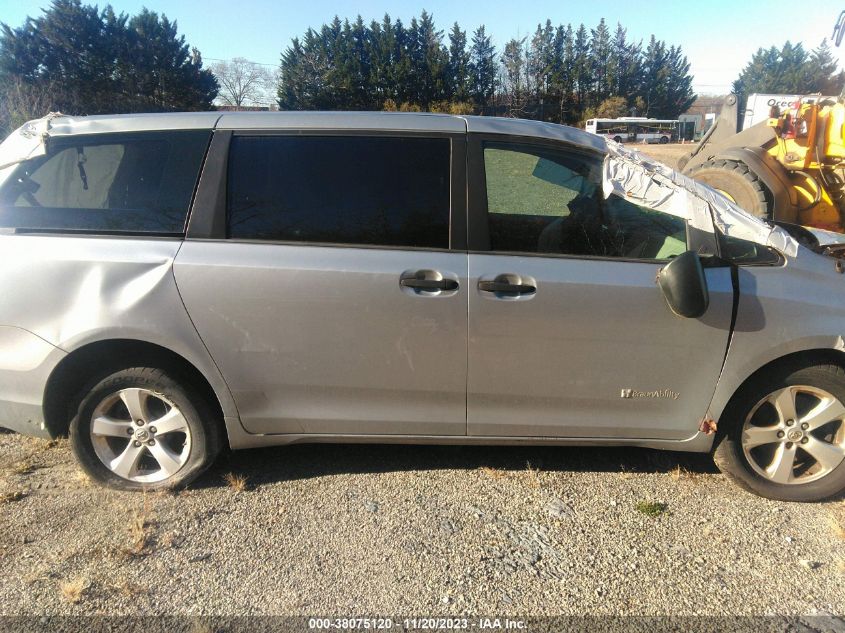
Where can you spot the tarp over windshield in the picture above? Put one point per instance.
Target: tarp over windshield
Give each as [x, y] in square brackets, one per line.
[632, 175]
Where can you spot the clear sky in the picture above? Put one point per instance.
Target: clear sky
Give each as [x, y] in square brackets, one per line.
[718, 36]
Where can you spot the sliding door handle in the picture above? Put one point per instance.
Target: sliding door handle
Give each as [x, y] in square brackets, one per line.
[429, 284]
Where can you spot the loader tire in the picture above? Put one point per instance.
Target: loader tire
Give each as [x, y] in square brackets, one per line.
[738, 182]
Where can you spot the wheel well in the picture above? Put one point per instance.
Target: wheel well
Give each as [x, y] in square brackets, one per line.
[796, 360]
[92, 361]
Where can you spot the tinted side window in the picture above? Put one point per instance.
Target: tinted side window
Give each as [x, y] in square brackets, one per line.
[344, 190]
[140, 182]
[542, 201]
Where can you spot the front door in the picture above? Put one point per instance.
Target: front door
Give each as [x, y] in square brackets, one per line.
[569, 335]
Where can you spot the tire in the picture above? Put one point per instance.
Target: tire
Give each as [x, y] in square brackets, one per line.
[754, 417]
[151, 457]
[618, 139]
[664, 140]
[736, 181]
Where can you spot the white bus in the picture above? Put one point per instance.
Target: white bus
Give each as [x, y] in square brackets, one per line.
[634, 129]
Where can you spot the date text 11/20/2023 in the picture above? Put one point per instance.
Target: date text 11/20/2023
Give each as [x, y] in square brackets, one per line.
[420, 624]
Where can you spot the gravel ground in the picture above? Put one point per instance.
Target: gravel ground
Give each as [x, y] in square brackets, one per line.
[398, 530]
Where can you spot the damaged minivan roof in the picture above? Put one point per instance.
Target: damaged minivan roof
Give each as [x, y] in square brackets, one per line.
[62, 125]
[626, 173]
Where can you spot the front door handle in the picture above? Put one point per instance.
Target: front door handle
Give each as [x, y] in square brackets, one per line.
[429, 284]
[506, 288]
[508, 285]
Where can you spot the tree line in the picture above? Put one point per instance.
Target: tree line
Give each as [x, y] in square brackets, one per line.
[791, 70]
[78, 59]
[561, 73]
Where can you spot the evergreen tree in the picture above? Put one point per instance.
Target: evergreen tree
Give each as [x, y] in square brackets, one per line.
[513, 60]
[582, 69]
[458, 64]
[624, 66]
[557, 74]
[655, 75]
[292, 91]
[540, 63]
[679, 94]
[821, 71]
[599, 62]
[789, 70]
[568, 107]
[435, 62]
[482, 67]
[101, 62]
[402, 71]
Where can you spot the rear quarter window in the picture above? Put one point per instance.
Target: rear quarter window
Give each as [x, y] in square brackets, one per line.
[127, 183]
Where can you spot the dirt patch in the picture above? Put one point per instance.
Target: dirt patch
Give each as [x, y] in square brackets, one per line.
[668, 154]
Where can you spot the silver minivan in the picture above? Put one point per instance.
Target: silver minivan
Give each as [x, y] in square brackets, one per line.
[174, 284]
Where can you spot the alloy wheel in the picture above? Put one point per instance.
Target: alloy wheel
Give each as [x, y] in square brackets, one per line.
[795, 435]
[140, 435]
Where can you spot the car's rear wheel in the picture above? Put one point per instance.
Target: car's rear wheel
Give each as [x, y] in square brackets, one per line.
[141, 428]
[786, 435]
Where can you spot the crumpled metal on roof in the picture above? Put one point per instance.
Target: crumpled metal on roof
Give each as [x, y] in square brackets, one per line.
[651, 184]
[28, 141]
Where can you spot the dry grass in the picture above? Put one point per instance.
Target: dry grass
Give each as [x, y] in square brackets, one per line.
[532, 476]
[837, 521]
[25, 465]
[11, 497]
[22, 467]
[139, 536]
[73, 590]
[140, 532]
[680, 473]
[238, 483]
[493, 473]
[82, 479]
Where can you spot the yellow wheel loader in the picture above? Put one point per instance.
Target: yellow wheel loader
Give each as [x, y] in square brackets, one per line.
[790, 168]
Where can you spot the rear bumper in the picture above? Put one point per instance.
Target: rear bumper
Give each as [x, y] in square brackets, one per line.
[26, 362]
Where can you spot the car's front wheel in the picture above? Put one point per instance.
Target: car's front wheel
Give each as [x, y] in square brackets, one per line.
[786, 435]
[141, 428]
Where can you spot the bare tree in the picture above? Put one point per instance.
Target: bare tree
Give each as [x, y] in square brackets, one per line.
[242, 82]
[20, 102]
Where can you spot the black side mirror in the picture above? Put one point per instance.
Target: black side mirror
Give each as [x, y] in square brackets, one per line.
[684, 285]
